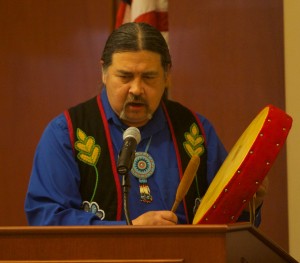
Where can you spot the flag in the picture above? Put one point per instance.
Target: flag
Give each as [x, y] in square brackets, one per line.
[153, 12]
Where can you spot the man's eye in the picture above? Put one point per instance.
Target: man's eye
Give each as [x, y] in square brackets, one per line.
[124, 77]
[149, 77]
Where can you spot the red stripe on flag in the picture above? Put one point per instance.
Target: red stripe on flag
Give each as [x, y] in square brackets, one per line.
[156, 19]
[120, 14]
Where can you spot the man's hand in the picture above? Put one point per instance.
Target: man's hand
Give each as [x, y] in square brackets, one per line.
[260, 194]
[155, 218]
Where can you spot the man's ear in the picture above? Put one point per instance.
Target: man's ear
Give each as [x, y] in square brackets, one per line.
[103, 72]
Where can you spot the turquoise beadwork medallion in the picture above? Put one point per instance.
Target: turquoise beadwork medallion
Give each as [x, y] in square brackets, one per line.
[143, 167]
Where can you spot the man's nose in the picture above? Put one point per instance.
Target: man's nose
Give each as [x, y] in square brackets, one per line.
[136, 87]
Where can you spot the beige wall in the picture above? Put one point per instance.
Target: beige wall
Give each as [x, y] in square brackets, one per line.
[292, 76]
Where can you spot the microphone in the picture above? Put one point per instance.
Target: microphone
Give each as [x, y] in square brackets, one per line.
[131, 138]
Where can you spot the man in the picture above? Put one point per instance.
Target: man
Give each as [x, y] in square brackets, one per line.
[74, 179]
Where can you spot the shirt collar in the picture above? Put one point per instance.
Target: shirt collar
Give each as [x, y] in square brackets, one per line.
[156, 124]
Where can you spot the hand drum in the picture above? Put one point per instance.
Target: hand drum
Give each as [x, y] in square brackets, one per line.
[245, 167]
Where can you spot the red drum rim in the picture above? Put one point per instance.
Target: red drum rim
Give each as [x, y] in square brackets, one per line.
[245, 167]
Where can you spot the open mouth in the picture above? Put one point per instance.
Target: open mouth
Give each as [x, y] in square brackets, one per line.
[136, 104]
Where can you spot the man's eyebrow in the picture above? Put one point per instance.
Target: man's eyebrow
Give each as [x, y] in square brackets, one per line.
[124, 72]
[150, 73]
[146, 73]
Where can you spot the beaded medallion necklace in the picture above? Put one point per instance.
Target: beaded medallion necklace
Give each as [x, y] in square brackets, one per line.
[143, 167]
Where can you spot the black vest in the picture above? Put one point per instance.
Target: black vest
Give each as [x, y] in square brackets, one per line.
[90, 138]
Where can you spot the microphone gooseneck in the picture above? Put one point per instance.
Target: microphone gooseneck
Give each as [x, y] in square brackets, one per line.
[131, 138]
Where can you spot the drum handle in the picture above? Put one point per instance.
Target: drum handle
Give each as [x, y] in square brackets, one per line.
[252, 209]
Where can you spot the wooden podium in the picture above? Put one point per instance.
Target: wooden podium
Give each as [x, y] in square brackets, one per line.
[123, 244]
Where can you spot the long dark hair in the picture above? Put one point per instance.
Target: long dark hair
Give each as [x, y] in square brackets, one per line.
[136, 37]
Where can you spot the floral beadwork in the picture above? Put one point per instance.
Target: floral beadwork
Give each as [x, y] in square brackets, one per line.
[93, 207]
[196, 205]
[89, 153]
[194, 141]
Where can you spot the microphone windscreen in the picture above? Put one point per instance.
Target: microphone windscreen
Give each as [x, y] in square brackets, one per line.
[132, 132]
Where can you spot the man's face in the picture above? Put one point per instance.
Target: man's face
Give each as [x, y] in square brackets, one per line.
[135, 83]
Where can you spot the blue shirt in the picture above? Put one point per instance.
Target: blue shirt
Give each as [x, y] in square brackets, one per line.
[53, 196]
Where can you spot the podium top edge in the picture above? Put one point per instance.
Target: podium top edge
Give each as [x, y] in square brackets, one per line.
[117, 229]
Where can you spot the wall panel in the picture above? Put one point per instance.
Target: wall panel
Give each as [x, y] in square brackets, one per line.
[228, 64]
[49, 60]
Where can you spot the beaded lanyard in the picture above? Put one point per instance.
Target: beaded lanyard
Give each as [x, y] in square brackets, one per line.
[143, 167]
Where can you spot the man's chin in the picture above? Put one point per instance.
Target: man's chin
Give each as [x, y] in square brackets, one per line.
[134, 121]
